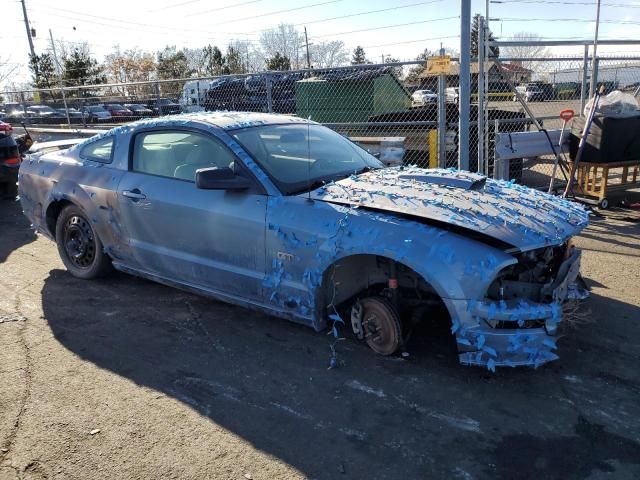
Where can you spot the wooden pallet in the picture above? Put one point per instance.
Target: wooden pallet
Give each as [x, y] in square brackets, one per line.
[596, 180]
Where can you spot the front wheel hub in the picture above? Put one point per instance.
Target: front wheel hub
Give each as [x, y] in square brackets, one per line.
[381, 326]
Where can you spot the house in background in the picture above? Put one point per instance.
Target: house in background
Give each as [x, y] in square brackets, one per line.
[512, 72]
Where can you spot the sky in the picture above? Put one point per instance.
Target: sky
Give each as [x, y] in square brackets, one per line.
[397, 28]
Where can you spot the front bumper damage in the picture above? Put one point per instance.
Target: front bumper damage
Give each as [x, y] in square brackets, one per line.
[517, 332]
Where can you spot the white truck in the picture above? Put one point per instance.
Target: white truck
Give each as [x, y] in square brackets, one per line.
[194, 94]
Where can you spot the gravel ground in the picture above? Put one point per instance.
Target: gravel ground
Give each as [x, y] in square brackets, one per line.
[123, 378]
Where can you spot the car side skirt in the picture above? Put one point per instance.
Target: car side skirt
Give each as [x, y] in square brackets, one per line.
[223, 297]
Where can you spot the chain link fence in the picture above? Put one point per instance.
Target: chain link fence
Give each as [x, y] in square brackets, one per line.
[403, 121]
[550, 86]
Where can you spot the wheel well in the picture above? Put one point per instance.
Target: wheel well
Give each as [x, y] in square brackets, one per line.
[53, 212]
[358, 276]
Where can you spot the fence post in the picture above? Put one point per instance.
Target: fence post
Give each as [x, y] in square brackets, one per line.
[464, 97]
[585, 77]
[594, 75]
[269, 93]
[24, 108]
[480, 95]
[442, 119]
[158, 104]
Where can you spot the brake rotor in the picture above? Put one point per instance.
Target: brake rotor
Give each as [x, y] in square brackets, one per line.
[381, 326]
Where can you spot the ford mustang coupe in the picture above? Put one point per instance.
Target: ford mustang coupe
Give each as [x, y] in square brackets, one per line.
[286, 216]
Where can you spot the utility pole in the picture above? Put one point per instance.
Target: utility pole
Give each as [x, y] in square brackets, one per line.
[26, 24]
[306, 41]
[33, 51]
[464, 95]
[59, 70]
[594, 58]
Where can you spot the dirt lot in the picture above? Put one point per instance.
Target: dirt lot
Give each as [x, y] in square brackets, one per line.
[184, 387]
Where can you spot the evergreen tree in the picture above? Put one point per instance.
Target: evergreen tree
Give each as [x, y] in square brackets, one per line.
[233, 61]
[475, 27]
[359, 56]
[172, 63]
[43, 70]
[278, 62]
[79, 68]
[214, 60]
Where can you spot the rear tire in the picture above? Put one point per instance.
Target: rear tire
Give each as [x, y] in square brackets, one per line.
[79, 246]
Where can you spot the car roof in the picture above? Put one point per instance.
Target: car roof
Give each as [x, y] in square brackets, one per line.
[226, 120]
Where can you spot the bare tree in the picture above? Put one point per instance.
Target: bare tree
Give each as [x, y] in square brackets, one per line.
[529, 54]
[329, 54]
[130, 66]
[7, 69]
[285, 40]
[197, 60]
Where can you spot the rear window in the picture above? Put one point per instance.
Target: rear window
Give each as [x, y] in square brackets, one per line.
[99, 151]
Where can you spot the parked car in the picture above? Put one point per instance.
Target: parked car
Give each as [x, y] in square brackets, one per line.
[75, 115]
[138, 110]
[96, 114]
[163, 106]
[452, 94]
[423, 97]
[119, 112]
[536, 92]
[44, 114]
[9, 163]
[11, 151]
[288, 217]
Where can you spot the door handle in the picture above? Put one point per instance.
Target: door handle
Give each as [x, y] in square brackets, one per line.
[134, 194]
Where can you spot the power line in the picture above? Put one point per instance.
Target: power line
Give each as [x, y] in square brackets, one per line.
[579, 20]
[558, 2]
[117, 22]
[368, 12]
[223, 8]
[385, 26]
[277, 12]
[411, 41]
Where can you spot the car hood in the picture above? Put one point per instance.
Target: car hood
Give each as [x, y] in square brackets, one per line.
[467, 202]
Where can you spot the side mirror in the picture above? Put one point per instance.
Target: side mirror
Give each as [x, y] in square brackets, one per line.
[214, 178]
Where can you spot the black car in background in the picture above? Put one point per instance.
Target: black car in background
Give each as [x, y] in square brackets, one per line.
[96, 114]
[163, 106]
[75, 115]
[139, 110]
[44, 114]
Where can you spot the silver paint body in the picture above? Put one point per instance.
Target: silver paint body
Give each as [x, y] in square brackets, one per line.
[269, 251]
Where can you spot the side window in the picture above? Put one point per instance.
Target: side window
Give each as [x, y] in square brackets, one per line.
[178, 154]
[99, 151]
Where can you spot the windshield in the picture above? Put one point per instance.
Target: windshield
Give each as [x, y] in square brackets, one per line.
[300, 157]
[115, 106]
[95, 109]
[165, 101]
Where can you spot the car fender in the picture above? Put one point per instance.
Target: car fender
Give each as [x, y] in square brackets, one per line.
[456, 267]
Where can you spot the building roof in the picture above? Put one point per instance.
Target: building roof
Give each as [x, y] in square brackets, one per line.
[454, 69]
[515, 68]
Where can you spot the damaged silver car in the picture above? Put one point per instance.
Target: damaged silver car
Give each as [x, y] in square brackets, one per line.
[286, 216]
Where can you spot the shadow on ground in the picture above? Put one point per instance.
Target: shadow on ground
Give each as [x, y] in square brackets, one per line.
[266, 380]
[15, 228]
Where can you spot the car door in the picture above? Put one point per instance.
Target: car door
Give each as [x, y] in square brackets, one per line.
[207, 238]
